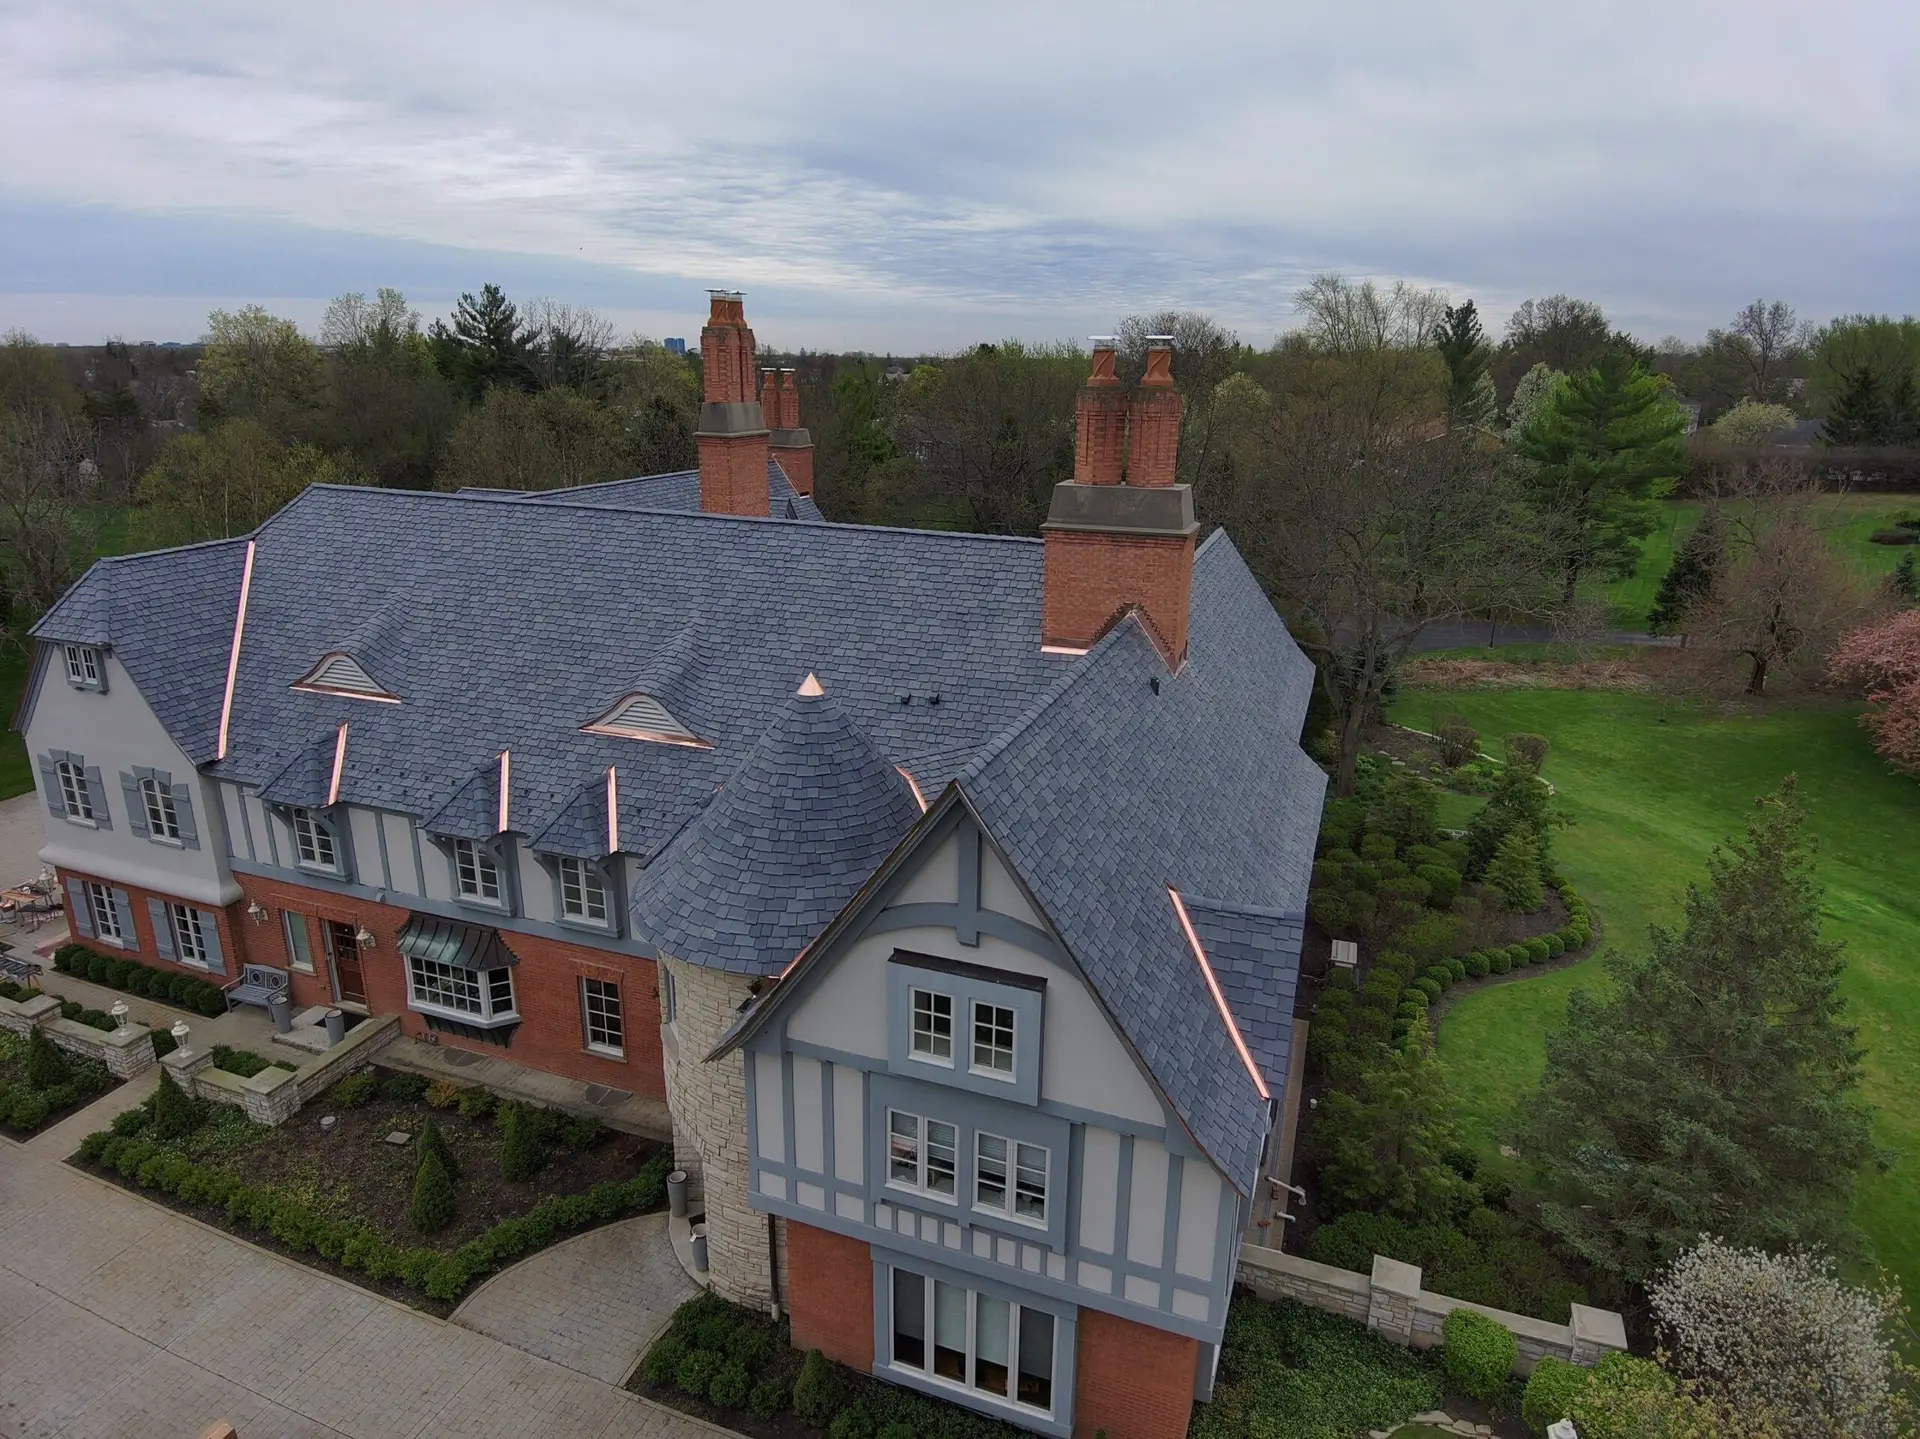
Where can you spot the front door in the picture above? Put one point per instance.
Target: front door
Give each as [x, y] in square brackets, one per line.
[348, 982]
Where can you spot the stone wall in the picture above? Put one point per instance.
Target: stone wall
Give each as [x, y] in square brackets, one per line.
[125, 1051]
[1391, 1302]
[273, 1096]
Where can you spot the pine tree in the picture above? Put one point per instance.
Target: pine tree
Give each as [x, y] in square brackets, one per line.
[486, 346]
[431, 1208]
[433, 1141]
[1518, 802]
[1860, 415]
[1905, 579]
[520, 1156]
[1606, 446]
[1464, 347]
[1903, 412]
[1691, 577]
[46, 1065]
[1381, 1143]
[1515, 870]
[173, 1115]
[1713, 1090]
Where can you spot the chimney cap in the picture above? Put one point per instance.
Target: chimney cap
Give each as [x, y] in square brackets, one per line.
[728, 294]
[1160, 342]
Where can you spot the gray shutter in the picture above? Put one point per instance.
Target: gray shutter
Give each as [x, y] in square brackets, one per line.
[79, 913]
[136, 807]
[123, 906]
[97, 797]
[50, 783]
[162, 928]
[183, 811]
[210, 934]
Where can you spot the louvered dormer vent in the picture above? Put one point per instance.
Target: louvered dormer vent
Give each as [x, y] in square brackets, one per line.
[340, 674]
[641, 716]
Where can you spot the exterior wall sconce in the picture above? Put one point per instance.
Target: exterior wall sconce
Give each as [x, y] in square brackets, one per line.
[256, 912]
[180, 1031]
[364, 937]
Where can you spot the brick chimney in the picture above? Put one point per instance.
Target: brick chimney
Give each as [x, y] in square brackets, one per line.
[733, 432]
[791, 445]
[1111, 547]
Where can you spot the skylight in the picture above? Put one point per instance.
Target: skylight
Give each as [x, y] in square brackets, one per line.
[641, 716]
[340, 674]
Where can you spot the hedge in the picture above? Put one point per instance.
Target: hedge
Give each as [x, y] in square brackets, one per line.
[1478, 1353]
[1551, 1389]
[349, 1241]
[185, 990]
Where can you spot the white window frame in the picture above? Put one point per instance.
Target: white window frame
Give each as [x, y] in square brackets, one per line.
[474, 996]
[189, 934]
[915, 1144]
[292, 923]
[83, 667]
[163, 816]
[1019, 1163]
[969, 1384]
[583, 889]
[931, 1030]
[993, 1047]
[314, 845]
[76, 795]
[105, 914]
[610, 1023]
[475, 869]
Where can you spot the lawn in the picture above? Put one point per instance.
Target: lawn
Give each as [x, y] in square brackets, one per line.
[1651, 785]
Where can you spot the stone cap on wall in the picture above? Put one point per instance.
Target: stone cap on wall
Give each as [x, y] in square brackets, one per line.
[1396, 1277]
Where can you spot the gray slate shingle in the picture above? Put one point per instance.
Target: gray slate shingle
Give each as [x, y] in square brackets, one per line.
[676, 490]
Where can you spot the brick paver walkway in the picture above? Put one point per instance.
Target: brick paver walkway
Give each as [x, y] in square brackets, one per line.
[119, 1317]
[592, 1303]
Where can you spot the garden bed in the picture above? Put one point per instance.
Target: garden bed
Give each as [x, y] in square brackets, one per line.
[341, 1197]
[37, 1092]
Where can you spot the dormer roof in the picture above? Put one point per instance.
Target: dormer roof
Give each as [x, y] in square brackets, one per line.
[338, 673]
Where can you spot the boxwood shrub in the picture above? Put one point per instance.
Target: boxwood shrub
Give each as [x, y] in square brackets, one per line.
[1537, 951]
[1477, 964]
[185, 990]
[1551, 1389]
[1556, 946]
[1457, 967]
[1429, 986]
[1499, 961]
[1478, 1353]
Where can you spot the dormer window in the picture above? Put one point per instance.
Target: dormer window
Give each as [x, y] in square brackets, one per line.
[932, 1026]
[83, 667]
[641, 716]
[583, 894]
[993, 1040]
[340, 674]
[475, 874]
[313, 840]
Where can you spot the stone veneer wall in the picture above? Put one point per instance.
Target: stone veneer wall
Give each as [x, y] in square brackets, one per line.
[273, 1096]
[709, 1107]
[125, 1051]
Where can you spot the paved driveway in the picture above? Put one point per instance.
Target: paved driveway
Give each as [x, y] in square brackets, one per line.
[119, 1317]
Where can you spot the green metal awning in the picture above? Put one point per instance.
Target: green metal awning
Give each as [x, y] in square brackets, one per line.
[448, 941]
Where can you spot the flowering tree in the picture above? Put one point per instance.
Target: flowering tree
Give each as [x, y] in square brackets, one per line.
[1779, 1335]
[1883, 661]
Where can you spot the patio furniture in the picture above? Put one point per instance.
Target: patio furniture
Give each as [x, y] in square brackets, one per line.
[257, 984]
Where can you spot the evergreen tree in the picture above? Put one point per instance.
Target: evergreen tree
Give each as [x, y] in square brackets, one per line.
[46, 1065]
[520, 1155]
[173, 1114]
[1606, 447]
[1518, 802]
[1691, 577]
[431, 1208]
[1860, 415]
[1515, 870]
[432, 1141]
[1469, 388]
[1903, 412]
[1905, 579]
[1382, 1142]
[1713, 1090]
[487, 345]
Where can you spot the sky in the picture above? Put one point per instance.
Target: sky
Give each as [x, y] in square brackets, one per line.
[910, 178]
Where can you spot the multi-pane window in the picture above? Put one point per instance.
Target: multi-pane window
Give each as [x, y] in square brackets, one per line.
[104, 913]
[312, 840]
[1010, 1178]
[485, 994]
[921, 1153]
[475, 874]
[299, 946]
[83, 666]
[163, 819]
[500, 991]
[600, 1003]
[189, 939]
[583, 895]
[972, 1340]
[992, 1038]
[933, 1026]
[74, 791]
[669, 998]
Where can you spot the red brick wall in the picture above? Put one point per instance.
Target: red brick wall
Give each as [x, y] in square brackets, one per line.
[145, 949]
[1133, 1381]
[733, 474]
[796, 461]
[830, 1294]
[546, 987]
[1092, 577]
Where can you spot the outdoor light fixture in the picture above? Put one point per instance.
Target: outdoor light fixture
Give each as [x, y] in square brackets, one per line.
[180, 1031]
[119, 1013]
[256, 912]
[364, 937]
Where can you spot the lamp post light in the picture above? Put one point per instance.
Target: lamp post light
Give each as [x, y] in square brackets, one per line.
[180, 1031]
[119, 1013]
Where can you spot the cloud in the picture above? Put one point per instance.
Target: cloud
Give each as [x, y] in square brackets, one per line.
[1039, 166]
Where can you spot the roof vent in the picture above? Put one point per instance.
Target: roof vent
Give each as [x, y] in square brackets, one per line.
[340, 674]
[641, 716]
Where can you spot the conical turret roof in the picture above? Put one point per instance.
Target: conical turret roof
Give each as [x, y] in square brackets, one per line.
[789, 838]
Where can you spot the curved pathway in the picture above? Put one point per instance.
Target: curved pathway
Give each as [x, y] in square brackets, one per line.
[592, 1304]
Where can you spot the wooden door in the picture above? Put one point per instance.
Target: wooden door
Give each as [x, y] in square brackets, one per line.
[348, 981]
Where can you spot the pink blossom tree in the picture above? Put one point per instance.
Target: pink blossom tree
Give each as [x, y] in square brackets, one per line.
[1882, 660]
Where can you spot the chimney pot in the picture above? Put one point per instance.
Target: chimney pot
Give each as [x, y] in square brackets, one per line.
[1154, 455]
[732, 437]
[1100, 421]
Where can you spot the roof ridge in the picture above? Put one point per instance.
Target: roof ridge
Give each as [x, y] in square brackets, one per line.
[173, 549]
[1258, 911]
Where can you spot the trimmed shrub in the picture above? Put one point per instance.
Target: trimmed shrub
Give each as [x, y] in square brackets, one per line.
[356, 1091]
[1478, 964]
[476, 1103]
[852, 1422]
[730, 1385]
[46, 1065]
[1556, 946]
[696, 1371]
[1478, 1353]
[663, 1360]
[899, 1430]
[715, 1330]
[1499, 961]
[444, 1093]
[1456, 969]
[749, 1345]
[1376, 847]
[210, 1002]
[816, 1394]
[1431, 988]
[27, 1109]
[520, 1155]
[1442, 882]
[1527, 749]
[768, 1398]
[1551, 1390]
[174, 1115]
[1407, 889]
[1537, 951]
[404, 1089]
[431, 1209]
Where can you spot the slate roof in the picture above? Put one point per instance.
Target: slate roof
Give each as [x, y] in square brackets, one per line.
[1255, 955]
[676, 490]
[790, 837]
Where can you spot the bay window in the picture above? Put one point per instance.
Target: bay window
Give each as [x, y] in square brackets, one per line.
[477, 994]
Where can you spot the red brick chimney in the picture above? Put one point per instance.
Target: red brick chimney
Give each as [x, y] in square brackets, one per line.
[1112, 547]
[733, 432]
[792, 446]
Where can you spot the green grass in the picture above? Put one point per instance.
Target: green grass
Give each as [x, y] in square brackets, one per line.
[16, 774]
[1651, 785]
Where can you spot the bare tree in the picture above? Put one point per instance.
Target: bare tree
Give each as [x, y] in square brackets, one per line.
[48, 476]
[1345, 319]
[568, 344]
[1769, 337]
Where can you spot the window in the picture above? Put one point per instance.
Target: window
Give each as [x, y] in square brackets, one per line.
[933, 1026]
[189, 939]
[921, 1154]
[163, 819]
[106, 914]
[299, 946]
[83, 667]
[992, 1039]
[313, 839]
[582, 894]
[75, 793]
[668, 998]
[1029, 1178]
[485, 994]
[979, 1342]
[475, 874]
[600, 1002]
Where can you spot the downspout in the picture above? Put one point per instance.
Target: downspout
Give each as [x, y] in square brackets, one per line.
[773, 1269]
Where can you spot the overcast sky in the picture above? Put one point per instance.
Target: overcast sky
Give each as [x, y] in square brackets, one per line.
[906, 176]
